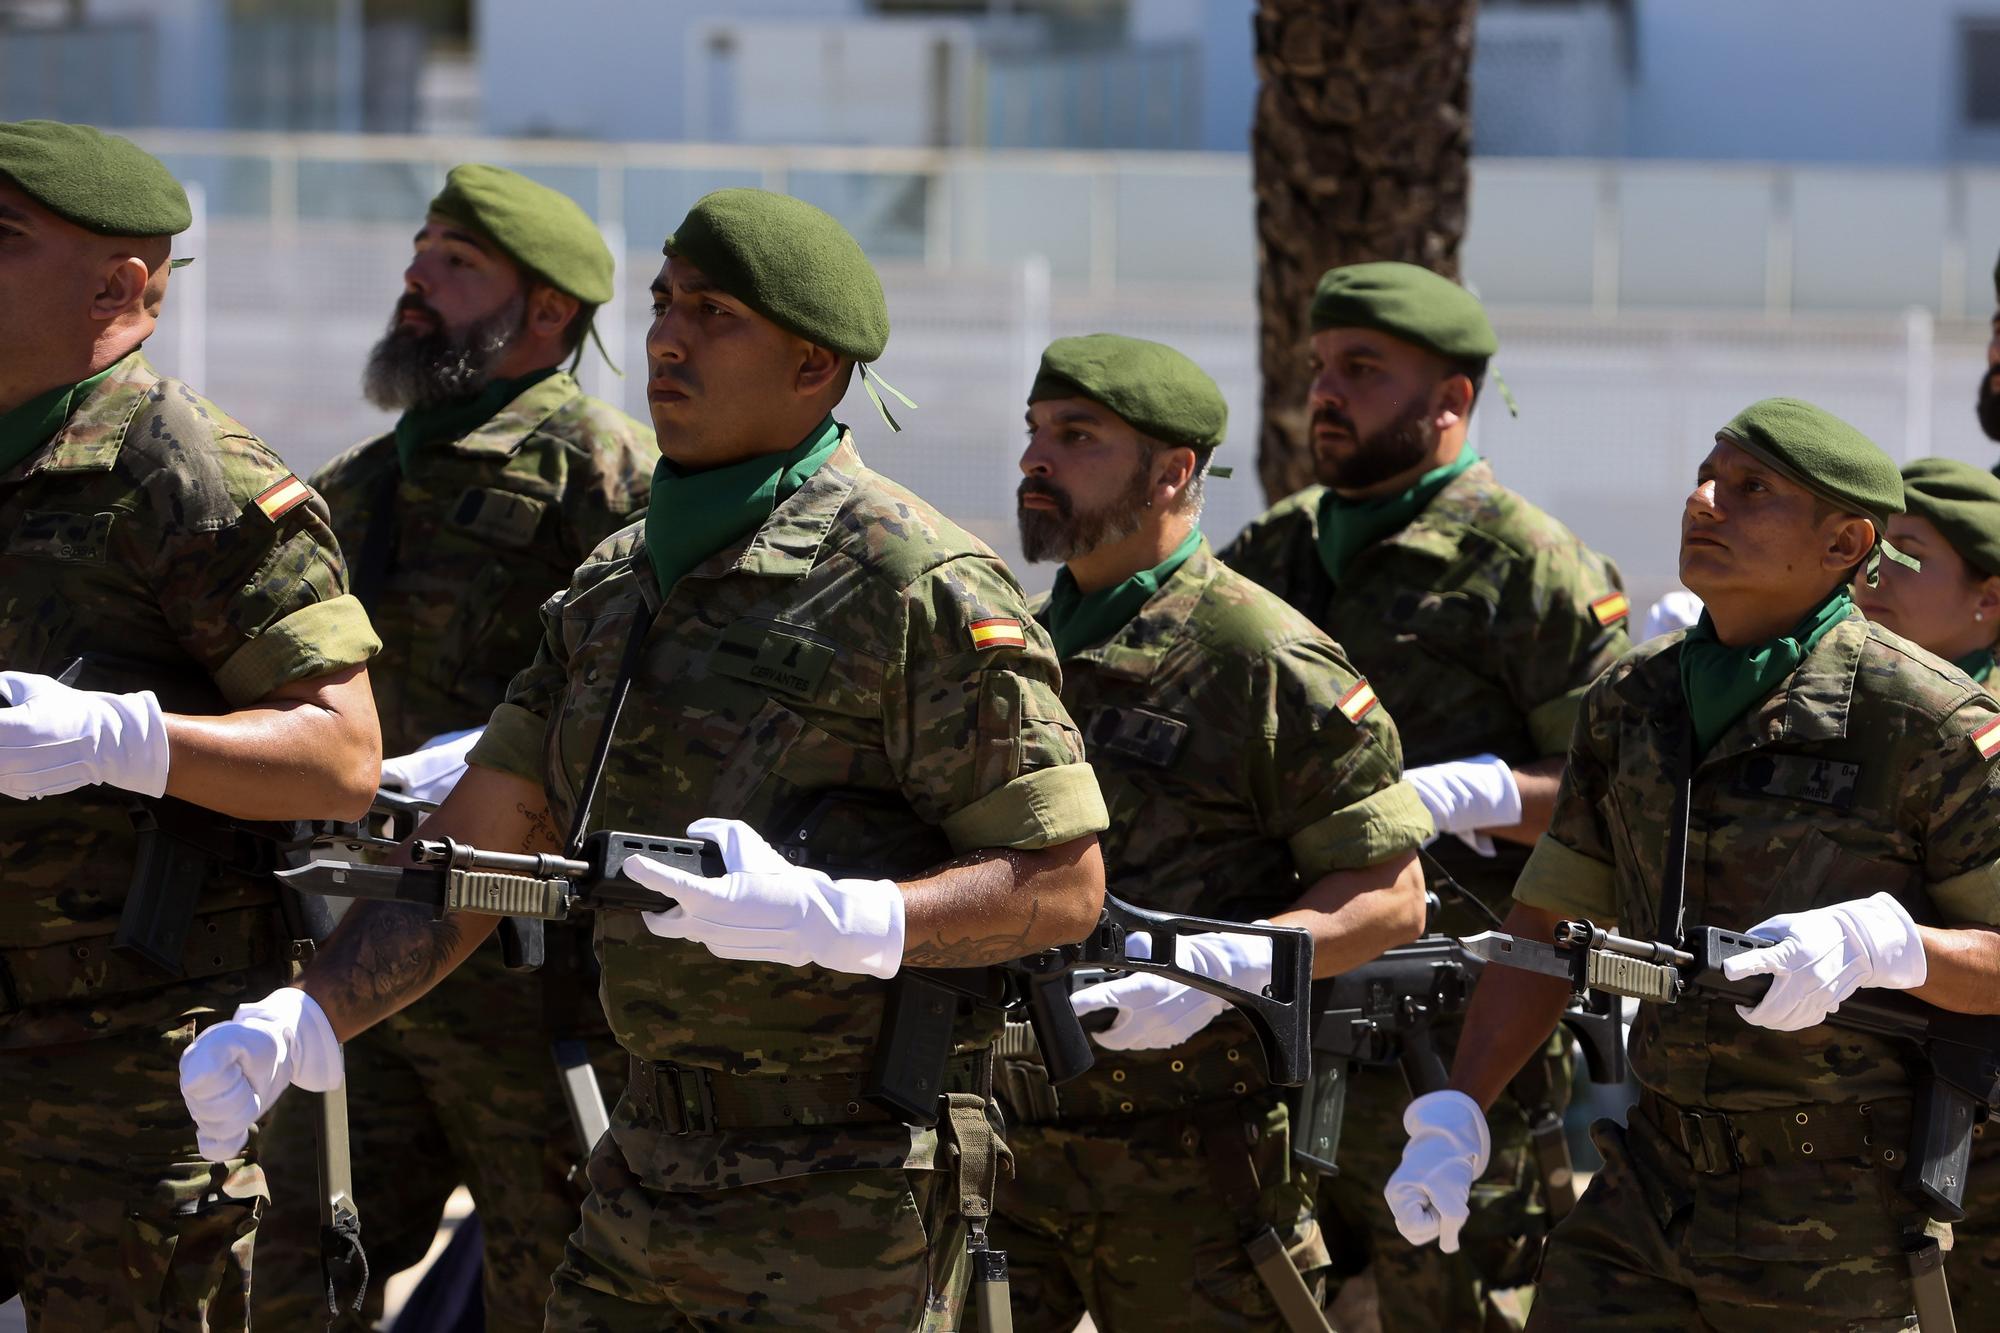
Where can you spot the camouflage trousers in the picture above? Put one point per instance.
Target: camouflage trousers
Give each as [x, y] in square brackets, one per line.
[459, 1088]
[869, 1250]
[1421, 1289]
[110, 1221]
[1973, 1266]
[1120, 1218]
[1652, 1245]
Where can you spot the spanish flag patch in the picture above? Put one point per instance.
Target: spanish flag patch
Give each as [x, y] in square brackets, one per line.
[1610, 610]
[997, 632]
[279, 500]
[1356, 703]
[1986, 740]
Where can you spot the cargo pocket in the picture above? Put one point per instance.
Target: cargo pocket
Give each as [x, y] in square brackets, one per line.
[187, 1249]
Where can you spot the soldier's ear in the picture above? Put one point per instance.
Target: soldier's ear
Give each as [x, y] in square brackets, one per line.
[121, 286]
[550, 311]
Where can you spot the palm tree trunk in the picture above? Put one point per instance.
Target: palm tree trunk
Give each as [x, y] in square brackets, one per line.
[1360, 151]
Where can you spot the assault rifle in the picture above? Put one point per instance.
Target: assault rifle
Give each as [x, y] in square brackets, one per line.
[917, 1039]
[1386, 1012]
[1959, 1053]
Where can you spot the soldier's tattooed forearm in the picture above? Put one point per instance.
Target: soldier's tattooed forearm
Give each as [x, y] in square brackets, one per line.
[974, 950]
[541, 832]
[383, 956]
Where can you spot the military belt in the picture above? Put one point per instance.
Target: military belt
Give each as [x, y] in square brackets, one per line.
[87, 970]
[1216, 1066]
[1718, 1143]
[683, 1099]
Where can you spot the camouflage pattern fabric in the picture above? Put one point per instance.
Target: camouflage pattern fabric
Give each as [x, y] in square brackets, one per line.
[461, 1086]
[487, 528]
[1234, 778]
[1118, 1217]
[157, 530]
[1480, 624]
[821, 681]
[1858, 775]
[1654, 1247]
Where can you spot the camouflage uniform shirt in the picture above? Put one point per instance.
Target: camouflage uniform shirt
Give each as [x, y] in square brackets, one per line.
[1218, 722]
[1858, 775]
[1480, 624]
[829, 655]
[485, 528]
[162, 541]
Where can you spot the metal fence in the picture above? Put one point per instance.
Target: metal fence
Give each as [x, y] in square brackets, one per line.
[986, 257]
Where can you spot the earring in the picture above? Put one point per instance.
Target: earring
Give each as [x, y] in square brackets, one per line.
[1979, 615]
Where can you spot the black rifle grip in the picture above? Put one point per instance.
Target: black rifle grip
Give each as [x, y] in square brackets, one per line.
[522, 944]
[1066, 1049]
[1940, 1148]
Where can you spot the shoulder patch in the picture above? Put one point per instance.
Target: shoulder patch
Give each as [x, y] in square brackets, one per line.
[997, 632]
[1359, 701]
[1986, 740]
[280, 499]
[1610, 609]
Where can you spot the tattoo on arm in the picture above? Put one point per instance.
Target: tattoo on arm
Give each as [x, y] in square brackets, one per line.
[976, 950]
[384, 956]
[541, 832]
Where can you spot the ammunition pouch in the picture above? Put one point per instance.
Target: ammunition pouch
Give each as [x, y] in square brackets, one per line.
[683, 1099]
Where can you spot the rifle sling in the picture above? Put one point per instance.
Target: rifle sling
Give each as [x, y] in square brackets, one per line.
[1672, 916]
[628, 667]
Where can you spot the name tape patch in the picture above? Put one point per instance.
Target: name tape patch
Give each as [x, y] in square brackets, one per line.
[997, 632]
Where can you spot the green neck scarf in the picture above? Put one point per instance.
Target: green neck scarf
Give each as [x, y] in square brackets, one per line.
[1078, 620]
[35, 422]
[695, 514]
[1977, 664]
[454, 421]
[1723, 683]
[1348, 527]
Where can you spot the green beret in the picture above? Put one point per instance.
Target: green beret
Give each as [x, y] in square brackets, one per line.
[540, 229]
[1828, 457]
[98, 181]
[1154, 388]
[1407, 302]
[791, 263]
[1962, 502]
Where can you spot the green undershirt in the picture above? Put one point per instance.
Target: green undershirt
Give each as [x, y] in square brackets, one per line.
[1977, 664]
[1348, 527]
[1723, 683]
[35, 422]
[695, 514]
[454, 421]
[1077, 620]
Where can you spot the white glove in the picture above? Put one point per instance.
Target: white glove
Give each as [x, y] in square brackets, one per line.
[768, 910]
[1822, 956]
[430, 772]
[1677, 610]
[1467, 795]
[1156, 1012]
[1431, 1192]
[234, 1071]
[56, 739]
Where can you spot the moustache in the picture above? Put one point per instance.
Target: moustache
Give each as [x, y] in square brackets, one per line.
[1043, 488]
[411, 303]
[1328, 416]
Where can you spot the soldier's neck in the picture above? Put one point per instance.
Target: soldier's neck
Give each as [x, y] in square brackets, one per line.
[1747, 622]
[1112, 564]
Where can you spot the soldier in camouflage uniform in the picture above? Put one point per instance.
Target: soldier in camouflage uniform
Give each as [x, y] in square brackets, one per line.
[1845, 805]
[500, 477]
[158, 541]
[817, 657]
[1249, 774]
[1481, 620]
[1951, 607]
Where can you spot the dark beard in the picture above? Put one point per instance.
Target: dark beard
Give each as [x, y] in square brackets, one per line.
[413, 369]
[1989, 403]
[1389, 452]
[1065, 534]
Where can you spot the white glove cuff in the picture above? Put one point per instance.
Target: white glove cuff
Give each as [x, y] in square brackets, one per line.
[1451, 1114]
[313, 1052]
[1897, 948]
[141, 750]
[869, 920]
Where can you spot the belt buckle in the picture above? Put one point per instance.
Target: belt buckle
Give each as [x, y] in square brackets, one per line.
[1709, 1142]
[692, 1099]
